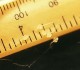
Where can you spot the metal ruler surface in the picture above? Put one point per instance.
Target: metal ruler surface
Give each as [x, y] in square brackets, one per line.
[26, 23]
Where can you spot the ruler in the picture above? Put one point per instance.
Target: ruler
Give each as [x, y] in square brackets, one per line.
[26, 23]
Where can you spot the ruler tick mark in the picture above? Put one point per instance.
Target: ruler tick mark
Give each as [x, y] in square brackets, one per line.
[34, 35]
[64, 22]
[10, 46]
[61, 27]
[30, 38]
[3, 44]
[4, 7]
[20, 1]
[40, 34]
[75, 20]
[18, 6]
[25, 41]
[10, 5]
[43, 27]
[7, 6]
[71, 24]
[50, 30]
[26, 13]
[55, 27]
[20, 42]
[14, 42]
[1, 11]
[13, 4]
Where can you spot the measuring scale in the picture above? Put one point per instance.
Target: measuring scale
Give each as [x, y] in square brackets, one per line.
[26, 23]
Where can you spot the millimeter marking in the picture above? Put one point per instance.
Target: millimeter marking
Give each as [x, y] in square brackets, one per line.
[1, 11]
[75, 20]
[14, 42]
[64, 22]
[18, 6]
[3, 44]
